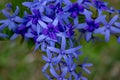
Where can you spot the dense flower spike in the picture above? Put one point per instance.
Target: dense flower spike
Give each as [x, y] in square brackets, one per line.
[52, 25]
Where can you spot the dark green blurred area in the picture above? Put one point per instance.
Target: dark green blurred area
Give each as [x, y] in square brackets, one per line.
[18, 63]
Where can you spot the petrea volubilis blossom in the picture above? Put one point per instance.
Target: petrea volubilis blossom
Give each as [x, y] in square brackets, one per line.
[53, 24]
[12, 19]
[100, 4]
[36, 4]
[49, 29]
[108, 28]
[90, 25]
[62, 53]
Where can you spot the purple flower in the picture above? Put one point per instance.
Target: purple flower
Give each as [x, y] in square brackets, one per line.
[50, 30]
[36, 15]
[72, 68]
[62, 53]
[84, 65]
[36, 4]
[61, 76]
[49, 60]
[90, 25]
[108, 28]
[12, 19]
[100, 4]
[75, 9]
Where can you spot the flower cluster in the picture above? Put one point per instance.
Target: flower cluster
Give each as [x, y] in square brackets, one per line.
[53, 24]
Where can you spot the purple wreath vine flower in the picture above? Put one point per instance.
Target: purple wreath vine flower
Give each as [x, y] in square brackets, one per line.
[90, 24]
[12, 20]
[52, 25]
[108, 27]
[62, 53]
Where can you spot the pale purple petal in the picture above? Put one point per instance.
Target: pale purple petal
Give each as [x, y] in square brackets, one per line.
[113, 19]
[53, 49]
[41, 37]
[16, 12]
[46, 19]
[52, 70]
[88, 36]
[27, 4]
[6, 13]
[14, 36]
[80, 1]
[87, 14]
[100, 30]
[107, 35]
[3, 35]
[72, 50]
[42, 24]
[18, 19]
[81, 26]
[38, 29]
[114, 29]
[29, 35]
[55, 22]
[45, 67]
[63, 44]
[117, 24]
[86, 70]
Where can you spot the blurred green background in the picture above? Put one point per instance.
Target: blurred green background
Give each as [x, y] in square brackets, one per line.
[18, 63]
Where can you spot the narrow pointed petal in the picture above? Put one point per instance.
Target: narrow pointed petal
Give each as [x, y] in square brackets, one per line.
[86, 70]
[81, 26]
[2, 27]
[100, 18]
[79, 1]
[87, 14]
[76, 21]
[107, 35]
[6, 14]
[46, 19]
[59, 58]
[45, 67]
[88, 36]
[113, 19]
[72, 50]
[42, 24]
[12, 26]
[14, 36]
[63, 45]
[45, 58]
[117, 24]
[118, 39]
[87, 64]
[64, 72]
[114, 29]
[40, 38]
[18, 19]
[52, 70]
[29, 35]
[55, 22]
[75, 75]
[100, 30]
[16, 12]
[27, 4]
[3, 35]
[67, 2]
[53, 49]
[38, 29]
